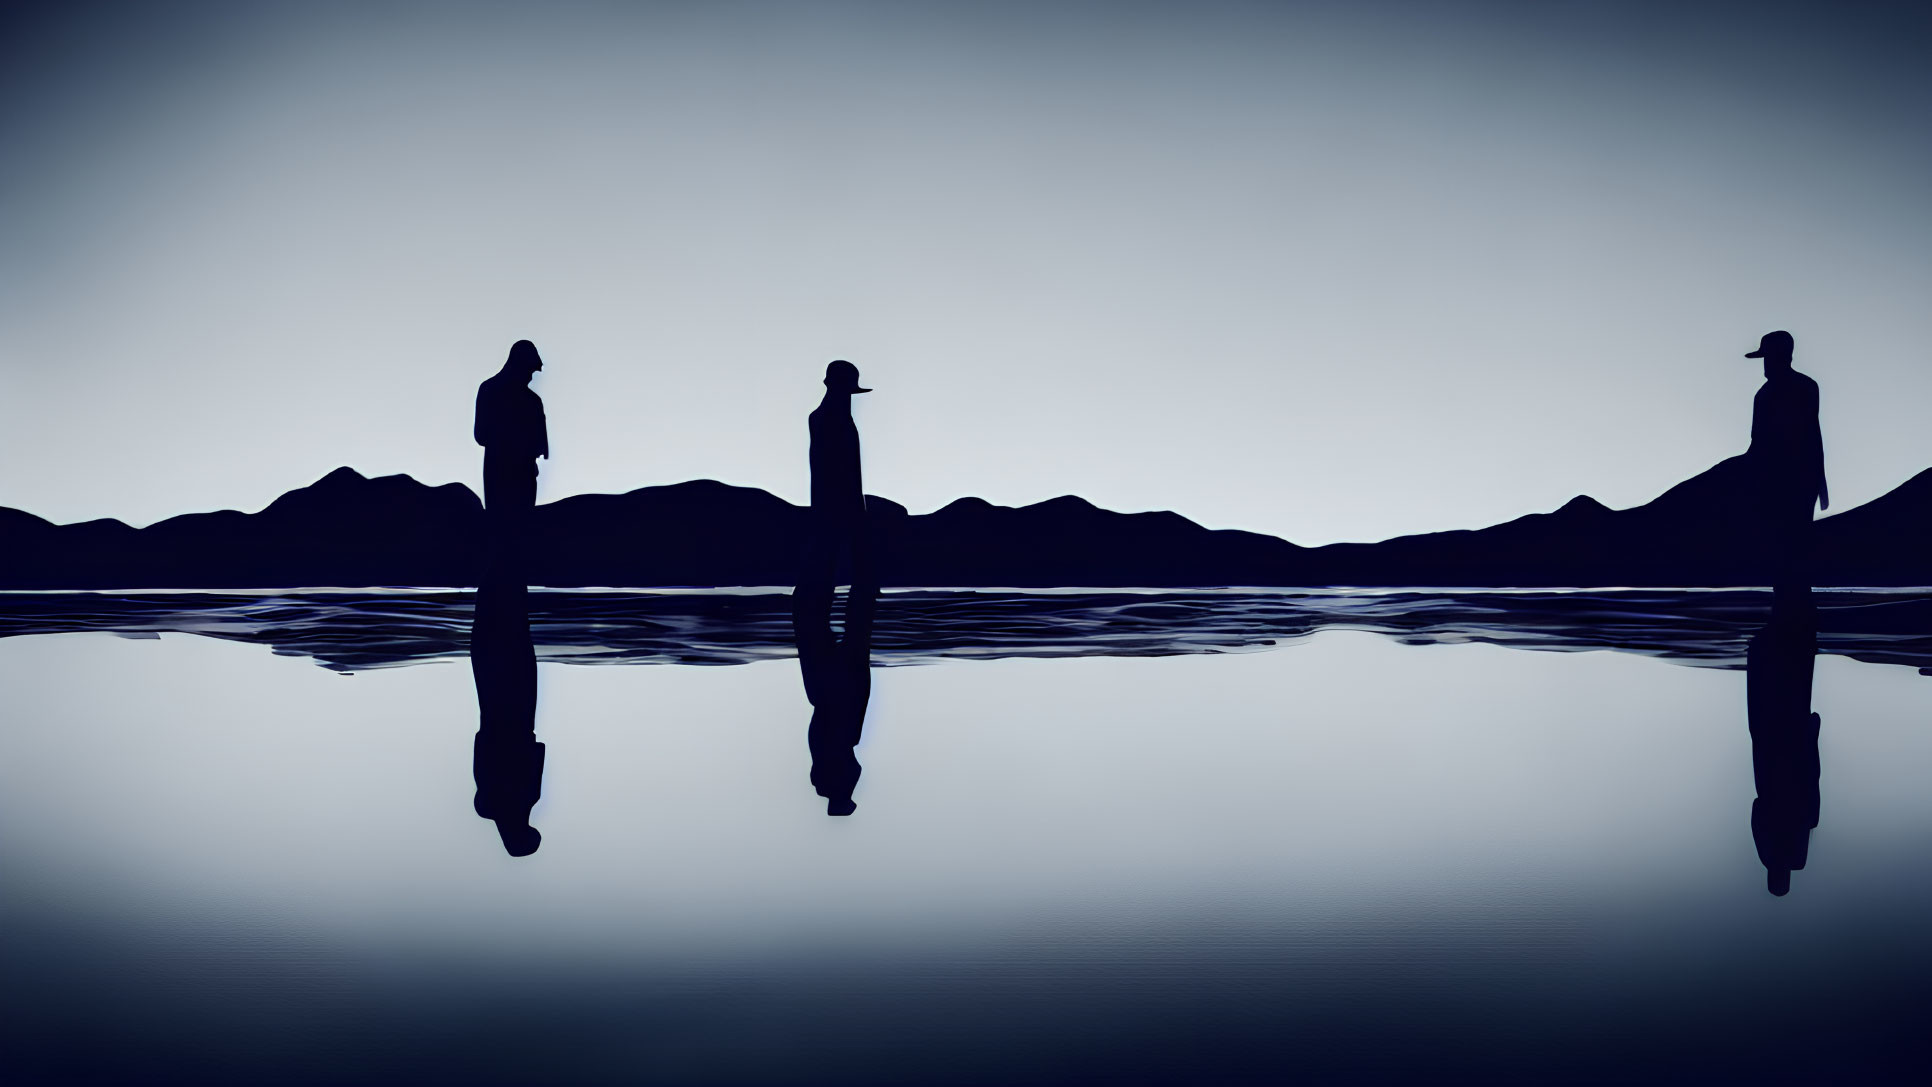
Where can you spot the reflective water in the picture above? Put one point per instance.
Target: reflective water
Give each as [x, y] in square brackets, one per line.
[355, 630]
[1347, 858]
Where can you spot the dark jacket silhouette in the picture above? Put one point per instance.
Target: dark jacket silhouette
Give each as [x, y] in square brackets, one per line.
[1787, 456]
[1784, 738]
[837, 670]
[507, 759]
[510, 428]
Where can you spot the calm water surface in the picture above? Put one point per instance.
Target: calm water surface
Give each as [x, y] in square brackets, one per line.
[1340, 858]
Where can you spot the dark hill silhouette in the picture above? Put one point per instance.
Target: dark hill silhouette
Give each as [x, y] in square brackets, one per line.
[1069, 541]
[347, 530]
[697, 533]
[1698, 533]
[1887, 541]
[342, 530]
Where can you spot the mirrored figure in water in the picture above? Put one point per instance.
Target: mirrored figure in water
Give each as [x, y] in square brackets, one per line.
[510, 427]
[1784, 737]
[508, 759]
[837, 670]
[838, 525]
[1787, 453]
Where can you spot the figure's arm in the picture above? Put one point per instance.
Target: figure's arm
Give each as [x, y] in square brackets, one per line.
[477, 430]
[543, 434]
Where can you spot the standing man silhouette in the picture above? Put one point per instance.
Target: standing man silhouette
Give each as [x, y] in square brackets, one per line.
[1788, 454]
[838, 492]
[510, 428]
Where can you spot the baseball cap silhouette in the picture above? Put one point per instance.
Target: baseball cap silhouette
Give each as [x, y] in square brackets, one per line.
[1772, 343]
[840, 374]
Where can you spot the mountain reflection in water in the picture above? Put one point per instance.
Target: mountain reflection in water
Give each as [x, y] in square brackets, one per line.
[351, 631]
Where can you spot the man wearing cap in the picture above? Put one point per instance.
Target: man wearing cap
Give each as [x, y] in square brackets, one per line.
[838, 494]
[1788, 454]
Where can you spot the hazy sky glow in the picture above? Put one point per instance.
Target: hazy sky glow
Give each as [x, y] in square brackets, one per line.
[1325, 271]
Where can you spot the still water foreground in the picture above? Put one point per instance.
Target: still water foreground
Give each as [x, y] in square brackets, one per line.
[1346, 859]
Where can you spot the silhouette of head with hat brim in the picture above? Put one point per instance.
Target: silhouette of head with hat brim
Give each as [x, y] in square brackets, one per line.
[1773, 345]
[842, 377]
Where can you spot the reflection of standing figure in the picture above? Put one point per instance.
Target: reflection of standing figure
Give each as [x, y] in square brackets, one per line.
[1788, 454]
[508, 761]
[1784, 737]
[838, 682]
[510, 428]
[838, 492]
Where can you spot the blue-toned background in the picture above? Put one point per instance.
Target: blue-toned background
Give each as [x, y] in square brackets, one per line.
[1327, 271]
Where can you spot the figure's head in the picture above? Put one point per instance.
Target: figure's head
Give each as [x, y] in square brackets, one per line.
[523, 359]
[840, 805]
[519, 839]
[842, 377]
[1773, 347]
[1778, 881]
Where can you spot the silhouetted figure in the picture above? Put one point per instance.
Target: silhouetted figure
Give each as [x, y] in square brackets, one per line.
[508, 761]
[510, 428]
[1784, 736]
[1788, 455]
[838, 491]
[837, 670]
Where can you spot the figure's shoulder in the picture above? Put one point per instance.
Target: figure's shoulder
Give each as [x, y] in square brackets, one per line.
[1799, 389]
[1790, 384]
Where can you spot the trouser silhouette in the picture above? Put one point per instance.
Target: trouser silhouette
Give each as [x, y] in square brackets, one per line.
[509, 501]
[834, 535]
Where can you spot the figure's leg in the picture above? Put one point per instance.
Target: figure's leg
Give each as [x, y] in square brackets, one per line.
[865, 573]
[1794, 531]
[497, 522]
[509, 501]
[818, 567]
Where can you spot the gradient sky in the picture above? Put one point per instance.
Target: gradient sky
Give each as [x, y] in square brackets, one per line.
[1327, 271]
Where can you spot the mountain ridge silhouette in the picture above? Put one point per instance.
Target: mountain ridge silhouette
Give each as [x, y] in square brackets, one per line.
[350, 530]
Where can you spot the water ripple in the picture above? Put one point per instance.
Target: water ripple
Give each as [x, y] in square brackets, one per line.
[365, 629]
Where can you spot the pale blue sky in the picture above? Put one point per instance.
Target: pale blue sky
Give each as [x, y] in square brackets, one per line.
[1325, 271]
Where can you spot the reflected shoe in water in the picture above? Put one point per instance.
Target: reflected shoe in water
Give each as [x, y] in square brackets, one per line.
[519, 841]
